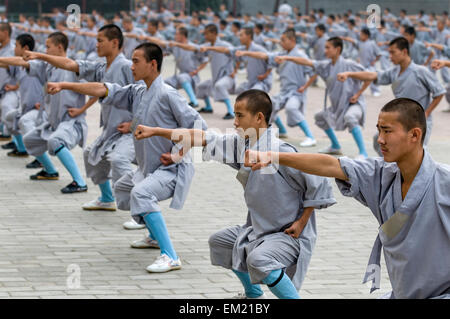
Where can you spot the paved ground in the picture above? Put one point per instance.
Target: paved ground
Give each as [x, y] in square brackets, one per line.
[48, 241]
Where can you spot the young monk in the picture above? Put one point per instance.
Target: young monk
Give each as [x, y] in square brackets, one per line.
[280, 232]
[407, 191]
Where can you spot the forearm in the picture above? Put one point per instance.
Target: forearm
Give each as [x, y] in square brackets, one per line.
[363, 75]
[311, 80]
[299, 60]
[429, 58]
[59, 62]
[223, 50]
[185, 46]
[17, 61]
[256, 55]
[92, 89]
[434, 103]
[195, 137]
[89, 103]
[365, 85]
[315, 164]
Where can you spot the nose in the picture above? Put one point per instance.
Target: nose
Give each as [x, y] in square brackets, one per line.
[380, 139]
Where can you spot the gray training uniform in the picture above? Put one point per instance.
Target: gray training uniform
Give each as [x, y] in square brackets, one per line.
[292, 77]
[158, 106]
[414, 232]
[255, 67]
[341, 114]
[9, 101]
[221, 83]
[417, 83]
[30, 93]
[112, 152]
[57, 128]
[186, 62]
[274, 200]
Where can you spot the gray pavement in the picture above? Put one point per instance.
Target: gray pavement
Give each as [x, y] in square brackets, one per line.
[51, 248]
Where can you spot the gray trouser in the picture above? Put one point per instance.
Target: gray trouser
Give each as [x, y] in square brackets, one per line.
[8, 103]
[144, 196]
[114, 164]
[27, 121]
[259, 257]
[219, 90]
[352, 118]
[66, 134]
[177, 80]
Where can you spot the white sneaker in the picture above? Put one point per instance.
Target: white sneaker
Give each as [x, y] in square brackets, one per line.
[308, 142]
[447, 109]
[145, 242]
[331, 151]
[164, 264]
[96, 204]
[360, 157]
[242, 295]
[132, 225]
[376, 94]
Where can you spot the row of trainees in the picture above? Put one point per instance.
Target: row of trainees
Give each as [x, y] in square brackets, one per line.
[416, 83]
[83, 39]
[249, 250]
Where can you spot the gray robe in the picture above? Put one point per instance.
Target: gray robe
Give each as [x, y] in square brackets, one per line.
[414, 232]
[158, 106]
[69, 131]
[275, 198]
[339, 92]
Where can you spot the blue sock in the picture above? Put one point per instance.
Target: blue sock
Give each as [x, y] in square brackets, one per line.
[281, 127]
[305, 128]
[190, 92]
[251, 290]
[107, 195]
[208, 103]
[357, 135]
[67, 159]
[157, 227]
[229, 107]
[333, 138]
[280, 285]
[19, 143]
[45, 160]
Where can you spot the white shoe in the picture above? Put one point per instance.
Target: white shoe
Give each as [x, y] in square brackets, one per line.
[96, 204]
[132, 225]
[376, 94]
[331, 151]
[308, 142]
[446, 109]
[242, 295]
[164, 264]
[360, 157]
[145, 243]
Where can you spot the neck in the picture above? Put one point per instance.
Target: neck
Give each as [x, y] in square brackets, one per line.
[410, 165]
[111, 57]
[334, 59]
[149, 80]
[405, 63]
[248, 45]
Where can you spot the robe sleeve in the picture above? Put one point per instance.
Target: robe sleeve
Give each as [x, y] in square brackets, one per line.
[364, 180]
[90, 70]
[38, 69]
[385, 77]
[222, 148]
[431, 82]
[185, 115]
[121, 97]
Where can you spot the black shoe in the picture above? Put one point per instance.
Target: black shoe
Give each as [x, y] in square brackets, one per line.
[205, 110]
[34, 164]
[74, 188]
[228, 116]
[9, 146]
[5, 137]
[16, 153]
[193, 105]
[43, 175]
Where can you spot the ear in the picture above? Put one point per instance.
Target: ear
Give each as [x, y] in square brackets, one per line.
[416, 134]
[260, 117]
